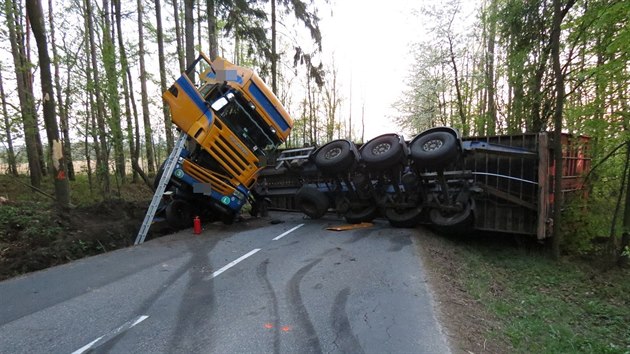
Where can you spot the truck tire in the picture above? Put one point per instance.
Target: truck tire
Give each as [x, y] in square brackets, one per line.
[311, 202]
[363, 214]
[434, 150]
[383, 152]
[406, 218]
[179, 214]
[335, 157]
[441, 218]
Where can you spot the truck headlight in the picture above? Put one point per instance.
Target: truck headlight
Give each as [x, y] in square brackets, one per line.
[238, 194]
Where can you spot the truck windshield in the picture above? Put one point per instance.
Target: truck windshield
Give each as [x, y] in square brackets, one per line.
[247, 124]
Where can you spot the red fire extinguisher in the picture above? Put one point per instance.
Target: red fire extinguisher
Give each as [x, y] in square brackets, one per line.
[196, 225]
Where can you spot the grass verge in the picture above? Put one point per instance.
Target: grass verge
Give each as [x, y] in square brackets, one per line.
[535, 305]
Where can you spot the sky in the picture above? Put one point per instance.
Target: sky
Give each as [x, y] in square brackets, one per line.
[370, 41]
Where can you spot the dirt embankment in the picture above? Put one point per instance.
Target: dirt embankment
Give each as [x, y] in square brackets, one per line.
[34, 237]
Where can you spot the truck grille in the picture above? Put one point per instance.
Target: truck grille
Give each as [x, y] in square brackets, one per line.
[207, 176]
[229, 156]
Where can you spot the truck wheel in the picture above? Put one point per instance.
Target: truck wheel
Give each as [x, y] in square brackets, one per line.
[362, 214]
[434, 150]
[403, 217]
[179, 214]
[335, 157]
[383, 152]
[445, 218]
[311, 202]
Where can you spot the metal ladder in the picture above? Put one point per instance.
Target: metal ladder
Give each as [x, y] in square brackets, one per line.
[169, 167]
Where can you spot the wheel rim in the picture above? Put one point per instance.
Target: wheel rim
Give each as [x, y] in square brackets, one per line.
[309, 208]
[432, 145]
[442, 218]
[381, 148]
[332, 153]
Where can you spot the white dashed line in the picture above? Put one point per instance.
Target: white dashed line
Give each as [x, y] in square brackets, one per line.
[102, 339]
[233, 263]
[287, 232]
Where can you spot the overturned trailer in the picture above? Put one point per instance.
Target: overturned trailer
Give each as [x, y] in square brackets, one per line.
[496, 183]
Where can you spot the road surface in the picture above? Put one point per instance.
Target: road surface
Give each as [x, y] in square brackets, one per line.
[252, 287]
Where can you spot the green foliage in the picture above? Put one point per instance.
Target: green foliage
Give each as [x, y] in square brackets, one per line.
[30, 223]
[546, 307]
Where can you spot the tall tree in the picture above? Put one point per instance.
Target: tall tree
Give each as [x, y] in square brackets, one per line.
[558, 15]
[56, 158]
[112, 84]
[25, 91]
[491, 110]
[168, 125]
[331, 102]
[62, 108]
[303, 14]
[456, 75]
[213, 50]
[179, 37]
[148, 132]
[103, 150]
[189, 31]
[7, 130]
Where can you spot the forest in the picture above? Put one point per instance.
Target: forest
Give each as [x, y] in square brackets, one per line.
[81, 85]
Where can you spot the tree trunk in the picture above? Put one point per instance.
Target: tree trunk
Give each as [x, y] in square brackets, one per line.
[274, 54]
[102, 170]
[127, 93]
[557, 143]
[460, 99]
[189, 29]
[38, 138]
[491, 111]
[7, 131]
[56, 158]
[86, 145]
[168, 124]
[148, 132]
[213, 39]
[63, 114]
[91, 106]
[178, 37]
[25, 92]
[111, 73]
[200, 49]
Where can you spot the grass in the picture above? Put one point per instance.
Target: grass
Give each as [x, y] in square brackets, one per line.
[16, 189]
[549, 307]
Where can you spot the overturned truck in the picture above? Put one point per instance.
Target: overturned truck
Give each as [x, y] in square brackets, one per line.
[232, 122]
[497, 183]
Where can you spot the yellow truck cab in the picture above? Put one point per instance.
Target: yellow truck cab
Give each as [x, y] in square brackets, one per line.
[233, 120]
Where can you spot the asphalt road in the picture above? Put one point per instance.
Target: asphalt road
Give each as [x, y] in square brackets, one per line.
[253, 287]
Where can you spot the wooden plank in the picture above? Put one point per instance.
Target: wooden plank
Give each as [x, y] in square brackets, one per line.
[509, 197]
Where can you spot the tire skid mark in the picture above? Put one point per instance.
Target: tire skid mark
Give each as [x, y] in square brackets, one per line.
[197, 303]
[263, 275]
[299, 310]
[345, 339]
[199, 254]
[360, 234]
[148, 303]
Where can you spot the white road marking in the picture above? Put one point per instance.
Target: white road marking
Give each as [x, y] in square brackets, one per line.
[287, 232]
[87, 346]
[233, 263]
[127, 325]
